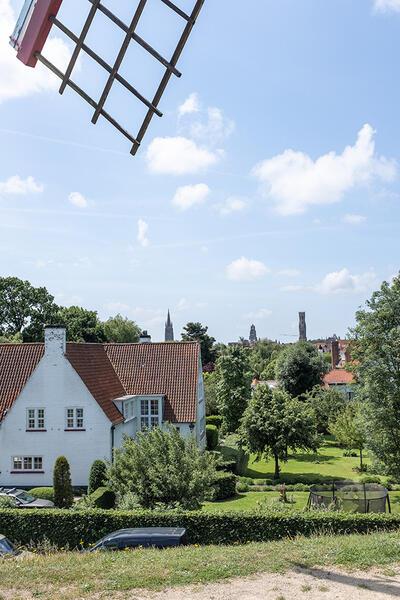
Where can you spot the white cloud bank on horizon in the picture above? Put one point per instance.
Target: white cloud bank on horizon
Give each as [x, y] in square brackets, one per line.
[188, 196]
[244, 269]
[338, 282]
[16, 186]
[295, 182]
[387, 5]
[17, 80]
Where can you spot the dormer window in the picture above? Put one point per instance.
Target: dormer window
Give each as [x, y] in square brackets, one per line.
[149, 413]
[35, 419]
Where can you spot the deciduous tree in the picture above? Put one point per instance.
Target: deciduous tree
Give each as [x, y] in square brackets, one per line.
[299, 368]
[233, 386]
[121, 330]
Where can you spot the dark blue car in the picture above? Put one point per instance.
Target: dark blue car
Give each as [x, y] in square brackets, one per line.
[145, 537]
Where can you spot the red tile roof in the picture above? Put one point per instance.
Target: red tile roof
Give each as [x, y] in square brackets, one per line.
[17, 363]
[93, 367]
[113, 370]
[339, 376]
[170, 369]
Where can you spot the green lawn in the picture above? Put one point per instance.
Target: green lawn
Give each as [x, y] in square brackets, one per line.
[328, 464]
[114, 575]
[250, 501]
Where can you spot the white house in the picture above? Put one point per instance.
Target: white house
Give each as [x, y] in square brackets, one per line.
[79, 400]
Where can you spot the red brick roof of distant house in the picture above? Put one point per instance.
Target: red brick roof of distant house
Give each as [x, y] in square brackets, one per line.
[111, 371]
[339, 377]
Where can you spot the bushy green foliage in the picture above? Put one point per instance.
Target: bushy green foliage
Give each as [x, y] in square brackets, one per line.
[43, 493]
[121, 330]
[82, 325]
[210, 393]
[299, 368]
[327, 404]
[214, 419]
[234, 386]
[231, 451]
[224, 486]
[212, 437]
[70, 528]
[196, 332]
[376, 351]
[349, 428]
[263, 358]
[273, 423]
[7, 502]
[162, 468]
[63, 494]
[103, 498]
[97, 475]
[227, 465]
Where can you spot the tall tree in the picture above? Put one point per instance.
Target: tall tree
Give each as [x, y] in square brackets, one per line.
[196, 332]
[299, 368]
[349, 429]
[120, 329]
[233, 386]
[327, 403]
[273, 422]
[82, 325]
[262, 354]
[210, 393]
[376, 352]
[24, 309]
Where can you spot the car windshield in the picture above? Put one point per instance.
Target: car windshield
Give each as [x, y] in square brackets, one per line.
[6, 546]
[25, 498]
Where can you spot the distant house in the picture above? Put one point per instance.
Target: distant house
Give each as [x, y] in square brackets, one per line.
[338, 377]
[79, 400]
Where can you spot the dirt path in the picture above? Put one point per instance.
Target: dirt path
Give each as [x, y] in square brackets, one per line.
[307, 584]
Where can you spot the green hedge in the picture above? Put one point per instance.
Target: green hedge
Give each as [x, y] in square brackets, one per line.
[71, 528]
[103, 498]
[214, 420]
[42, 493]
[224, 486]
[212, 437]
[230, 451]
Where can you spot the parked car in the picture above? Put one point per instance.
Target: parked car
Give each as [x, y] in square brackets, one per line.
[145, 537]
[23, 499]
[6, 547]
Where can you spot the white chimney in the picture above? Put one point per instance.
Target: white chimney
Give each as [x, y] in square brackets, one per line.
[145, 338]
[55, 339]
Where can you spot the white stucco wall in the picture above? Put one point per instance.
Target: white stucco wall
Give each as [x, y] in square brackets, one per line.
[54, 386]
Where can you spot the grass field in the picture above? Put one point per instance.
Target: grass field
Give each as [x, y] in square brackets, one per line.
[328, 464]
[73, 575]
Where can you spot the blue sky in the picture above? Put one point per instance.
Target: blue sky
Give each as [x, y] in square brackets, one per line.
[270, 186]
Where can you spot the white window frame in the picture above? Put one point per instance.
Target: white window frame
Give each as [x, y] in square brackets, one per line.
[129, 409]
[24, 461]
[149, 419]
[39, 421]
[74, 421]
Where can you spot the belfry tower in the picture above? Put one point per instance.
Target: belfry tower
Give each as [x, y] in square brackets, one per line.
[169, 329]
[302, 327]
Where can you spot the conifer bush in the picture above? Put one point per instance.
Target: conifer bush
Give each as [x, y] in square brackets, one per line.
[97, 476]
[212, 437]
[63, 494]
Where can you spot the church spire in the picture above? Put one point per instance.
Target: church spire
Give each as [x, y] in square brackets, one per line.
[169, 329]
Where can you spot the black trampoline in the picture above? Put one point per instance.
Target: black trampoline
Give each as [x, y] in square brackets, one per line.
[349, 496]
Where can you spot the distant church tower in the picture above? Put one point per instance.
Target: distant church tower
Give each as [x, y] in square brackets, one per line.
[253, 335]
[169, 329]
[302, 327]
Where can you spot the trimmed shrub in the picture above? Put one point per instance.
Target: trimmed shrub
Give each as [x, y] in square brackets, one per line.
[67, 528]
[370, 479]
[227, 465]
[242, 487]
[63, 494]
[43, 493]
[224, 486]
[230, 451]
[102, 498]
[212, 436]
[97, 476]
[214, 420]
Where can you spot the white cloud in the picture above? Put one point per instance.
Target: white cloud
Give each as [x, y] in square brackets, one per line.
[387, 5]
[143, 229]
[188, 196]
[244, 269]
[262, 313]
[190, 105]
[294, 181]
[215, 129]
[231, 205]
[352, 219]
[178, 156]
[78, 200]
[16, 186]
[17, 80]
[344, 281]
